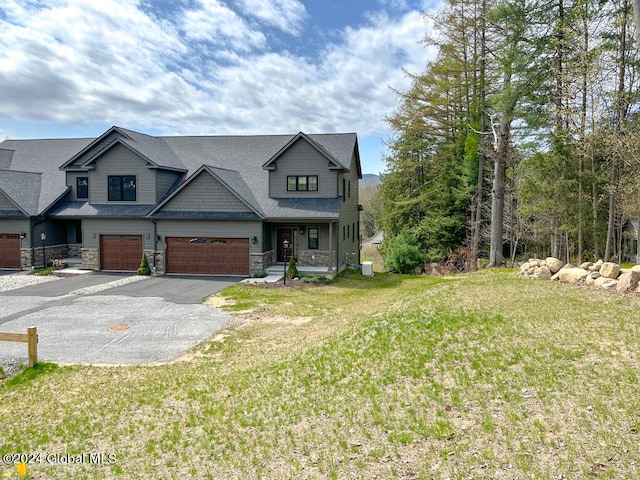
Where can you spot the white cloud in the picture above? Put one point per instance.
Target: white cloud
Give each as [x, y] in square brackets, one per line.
[210, 71]
[287, 15]
[215, 23]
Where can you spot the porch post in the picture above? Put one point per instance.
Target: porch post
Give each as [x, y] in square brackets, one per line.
[330, 246]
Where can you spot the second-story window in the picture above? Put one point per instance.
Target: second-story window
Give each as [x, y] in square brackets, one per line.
[82, 187]
[122, 188]
[302, 183]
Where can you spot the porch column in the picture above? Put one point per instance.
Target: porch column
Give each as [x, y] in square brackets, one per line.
[330, 246]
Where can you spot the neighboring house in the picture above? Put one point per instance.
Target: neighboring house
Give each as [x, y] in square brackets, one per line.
[193, 204]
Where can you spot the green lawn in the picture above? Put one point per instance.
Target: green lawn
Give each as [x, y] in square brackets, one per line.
[485, 376]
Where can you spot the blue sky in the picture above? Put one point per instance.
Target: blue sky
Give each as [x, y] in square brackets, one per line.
[73, 68]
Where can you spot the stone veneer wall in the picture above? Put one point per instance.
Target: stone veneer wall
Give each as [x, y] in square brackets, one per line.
[260, 261]
[160, 267]
[313, 258]
[90, 259]
[51, 253]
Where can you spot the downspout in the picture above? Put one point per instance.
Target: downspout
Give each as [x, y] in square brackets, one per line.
[155, 243]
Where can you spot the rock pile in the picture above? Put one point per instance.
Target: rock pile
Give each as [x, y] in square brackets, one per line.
[600, 274]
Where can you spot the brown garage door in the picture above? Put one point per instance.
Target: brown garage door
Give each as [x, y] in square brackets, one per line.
[9, 250]
[120, 252]
[210, 256]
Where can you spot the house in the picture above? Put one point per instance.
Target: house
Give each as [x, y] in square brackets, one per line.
[193, 204]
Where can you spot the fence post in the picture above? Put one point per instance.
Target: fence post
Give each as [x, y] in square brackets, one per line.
[32, 346]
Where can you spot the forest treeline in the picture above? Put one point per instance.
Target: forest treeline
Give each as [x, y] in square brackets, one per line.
[522, 136]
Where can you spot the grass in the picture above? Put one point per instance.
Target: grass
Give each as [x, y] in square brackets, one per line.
[488, 375]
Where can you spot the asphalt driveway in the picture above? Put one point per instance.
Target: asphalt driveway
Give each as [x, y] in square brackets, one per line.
[113, 319]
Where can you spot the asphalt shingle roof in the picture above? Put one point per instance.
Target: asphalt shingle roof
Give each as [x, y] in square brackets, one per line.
[236, 160]
[43, 159]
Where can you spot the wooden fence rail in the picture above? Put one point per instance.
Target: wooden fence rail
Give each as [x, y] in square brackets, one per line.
[30, 338]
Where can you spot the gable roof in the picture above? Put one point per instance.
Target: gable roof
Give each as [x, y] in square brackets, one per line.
[334, 163]
[236, 161]
[230, 179]
[153, 150]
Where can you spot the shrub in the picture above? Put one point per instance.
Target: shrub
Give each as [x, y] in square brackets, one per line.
[292, 269]
[144, 266]
[259, 274]
[403, 254]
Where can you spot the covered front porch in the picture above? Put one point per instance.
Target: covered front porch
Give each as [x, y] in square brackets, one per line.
[313, 244]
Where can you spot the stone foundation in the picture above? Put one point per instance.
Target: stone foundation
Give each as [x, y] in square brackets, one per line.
[313, 258]
[261, 261]
[74, 250]
[36, 257]
[90, 259]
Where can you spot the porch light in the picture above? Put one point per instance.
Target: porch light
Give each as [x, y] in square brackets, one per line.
[254, 239]
[301, 230]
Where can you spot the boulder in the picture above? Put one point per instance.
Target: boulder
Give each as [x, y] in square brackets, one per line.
[606, 282]
[591, 278]
[596, 266]
[586, 265]
[628, 281]
[524, 268]
[635, 268]
[542, 273]
[572, 275]
[553, 264]
[610, 270]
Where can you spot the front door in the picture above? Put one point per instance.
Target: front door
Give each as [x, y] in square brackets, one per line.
[284, 234]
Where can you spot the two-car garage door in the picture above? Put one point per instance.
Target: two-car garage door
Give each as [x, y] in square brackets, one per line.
[206, 255]
[200, 255]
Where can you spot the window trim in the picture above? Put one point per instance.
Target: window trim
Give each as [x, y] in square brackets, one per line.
[313, 240]
[122, 189]
[86, 196]
[302, 180]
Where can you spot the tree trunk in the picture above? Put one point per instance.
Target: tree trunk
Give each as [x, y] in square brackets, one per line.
[477, 220]
[496, 256]
[621, 106]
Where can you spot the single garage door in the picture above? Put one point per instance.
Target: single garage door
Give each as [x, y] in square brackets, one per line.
[9, 250]
[209, 256]
[120, 252]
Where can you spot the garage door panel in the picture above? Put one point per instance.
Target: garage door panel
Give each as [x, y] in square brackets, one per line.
[209, 256]
[10, 250]
[120, 252]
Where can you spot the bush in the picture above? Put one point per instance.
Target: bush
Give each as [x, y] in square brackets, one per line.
[144, 266]
[403, 254]
[292, 269]
[259, 274]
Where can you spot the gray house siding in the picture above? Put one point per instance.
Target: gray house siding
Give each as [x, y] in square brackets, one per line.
[6, 204]
[119, 160]
[349, 226]
[95, 149]
[14, 225]
[205, 194]
[72, 182]
[92, 228]
[302, 159]
[165, 179]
